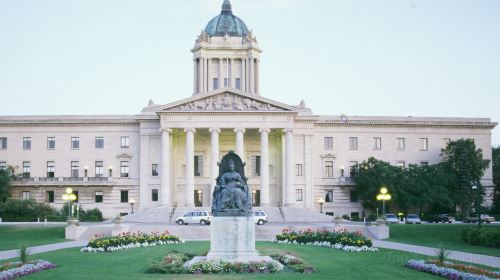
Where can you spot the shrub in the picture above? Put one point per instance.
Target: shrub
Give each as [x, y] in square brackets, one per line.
[23, 253]
[172, 263]
[488, 237]
[442, 253]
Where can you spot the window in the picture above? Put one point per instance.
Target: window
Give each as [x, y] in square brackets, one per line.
[424, 163]
[238, 83]
[401, 144]
[154, 195]
[329, 196]
[51, 143]
[328, 143]
[49, 196]
[75, 143]
[353, 167]
[154, 170]
[400, 164]
[125, 142]
[298, 195]
[98, 197]
[51, 166]
[124, 169]
[26, 143]
[3, 143]
[353, 143]
[3, 165]
[377, 143]
[198, 166]
[74, 169]
[424, 144]
[124, 196]
[76, 196]
[99, 142]
[298, 169]
[99, 169]
[353, 196]
[226, 82]
[26, 195]
[255, 165]
[329, 169]
[26, 169]
[216, 83]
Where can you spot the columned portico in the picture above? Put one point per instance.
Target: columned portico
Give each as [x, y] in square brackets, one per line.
[239, 142]
[190, 166]
[264, 166]
[289, 175]
[165, 167]
[214, 156]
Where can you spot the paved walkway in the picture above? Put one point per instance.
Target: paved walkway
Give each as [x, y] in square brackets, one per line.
[454, 255]
[43, 248]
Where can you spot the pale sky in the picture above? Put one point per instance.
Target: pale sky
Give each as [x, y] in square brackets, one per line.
[358, 57]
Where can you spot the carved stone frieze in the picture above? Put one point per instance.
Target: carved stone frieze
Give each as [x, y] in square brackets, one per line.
[226, 102]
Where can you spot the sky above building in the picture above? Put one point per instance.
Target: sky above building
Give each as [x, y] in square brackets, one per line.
[362, 57]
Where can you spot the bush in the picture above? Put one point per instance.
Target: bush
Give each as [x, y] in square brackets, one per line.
[488, 237]
[172, 263]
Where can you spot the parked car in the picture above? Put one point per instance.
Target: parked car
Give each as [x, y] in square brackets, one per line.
[443, 218]
[260, 217]
[195, 217]
[413, 219]
[391, 219]
[485, 218]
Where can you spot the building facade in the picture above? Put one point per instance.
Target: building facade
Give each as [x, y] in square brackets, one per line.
[167, 155]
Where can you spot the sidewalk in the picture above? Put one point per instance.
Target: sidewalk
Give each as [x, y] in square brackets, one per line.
[454, 255]
[43, 248]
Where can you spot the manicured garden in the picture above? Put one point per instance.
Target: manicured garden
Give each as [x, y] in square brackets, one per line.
[433, 235]
[12, 237]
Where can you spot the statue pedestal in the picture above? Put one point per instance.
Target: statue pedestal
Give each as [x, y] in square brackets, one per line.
[233, 240]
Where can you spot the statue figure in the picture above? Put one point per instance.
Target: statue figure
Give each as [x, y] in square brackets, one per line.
[232, 196]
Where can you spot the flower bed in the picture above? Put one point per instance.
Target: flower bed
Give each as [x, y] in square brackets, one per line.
[129, 240]
[347, 241]
[452, 271]
[14, 270]
[226, 267]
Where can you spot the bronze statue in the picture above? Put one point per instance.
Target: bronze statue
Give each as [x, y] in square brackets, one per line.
[232, 196]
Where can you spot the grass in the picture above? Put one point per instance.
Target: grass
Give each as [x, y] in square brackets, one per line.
[433, 235]
[131, 264]
[12, 237]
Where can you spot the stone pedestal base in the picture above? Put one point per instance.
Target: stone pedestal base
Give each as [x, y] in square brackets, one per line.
[379, 232]
[73, 232]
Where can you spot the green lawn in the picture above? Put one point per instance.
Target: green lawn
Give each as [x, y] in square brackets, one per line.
[131, 264]
[432, 235]
[11, 237]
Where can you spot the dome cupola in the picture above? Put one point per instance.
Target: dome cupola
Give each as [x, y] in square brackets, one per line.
[226, 23]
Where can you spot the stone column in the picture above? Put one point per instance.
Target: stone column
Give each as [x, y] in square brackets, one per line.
[190, 166]
[264, 166]
[199, 77]
[214, 156]
[239, 142]
[243, 75]
[210, 83]
[231, 74]
[221, 78]
[144, 200]
[289, 175]
[257, 78]
[252, 75]
[309, 193]
[195, 76]
[165, 168]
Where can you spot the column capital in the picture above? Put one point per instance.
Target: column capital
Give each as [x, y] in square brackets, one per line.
[213, 129]
[163, 129]
[190, 129]
[264, 130]
[240, 129]
[288, 130]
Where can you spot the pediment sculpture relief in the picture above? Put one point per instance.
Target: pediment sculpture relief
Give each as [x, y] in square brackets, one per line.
[226, 102]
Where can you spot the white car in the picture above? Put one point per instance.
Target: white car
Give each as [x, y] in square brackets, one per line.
[195, 217]
[413, 219]
[260, 217]
[391, 219]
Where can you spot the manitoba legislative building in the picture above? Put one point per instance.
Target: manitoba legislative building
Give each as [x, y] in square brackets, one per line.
[166, 157]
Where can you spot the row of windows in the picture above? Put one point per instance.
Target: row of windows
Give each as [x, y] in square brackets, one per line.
[75, 142]
[377, 143]
[353, 196]
[75, 169]
[98, 196]
[216, 83]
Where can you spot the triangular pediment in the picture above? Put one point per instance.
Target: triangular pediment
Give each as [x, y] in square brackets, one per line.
[226, 101]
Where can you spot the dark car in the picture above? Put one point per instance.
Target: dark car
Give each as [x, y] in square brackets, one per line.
[443, 218]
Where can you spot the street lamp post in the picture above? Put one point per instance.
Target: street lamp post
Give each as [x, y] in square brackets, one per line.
[69, 196]
[132, 202]
[383, 195]
[478, 204]
[321, 201]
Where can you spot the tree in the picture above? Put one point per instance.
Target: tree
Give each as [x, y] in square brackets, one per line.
[467, 164]
[496, 180]
[4, 185]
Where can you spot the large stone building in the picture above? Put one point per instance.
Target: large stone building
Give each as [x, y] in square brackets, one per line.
[167, 155]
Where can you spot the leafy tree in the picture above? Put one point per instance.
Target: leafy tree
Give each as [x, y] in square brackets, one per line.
[496, 180]
[4, 185]
[467, 164]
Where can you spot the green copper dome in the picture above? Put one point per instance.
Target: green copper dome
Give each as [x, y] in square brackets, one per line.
[226, 23]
